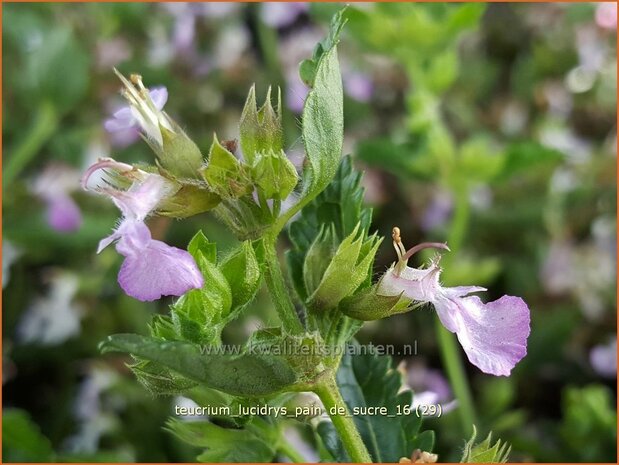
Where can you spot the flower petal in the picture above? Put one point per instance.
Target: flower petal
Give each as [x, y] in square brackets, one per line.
[159, 96]
[159, 270]
[493, 335]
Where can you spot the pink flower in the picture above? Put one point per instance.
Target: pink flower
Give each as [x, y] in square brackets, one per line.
[54, 186]
[151, 268]
[606, 15]
[493, 335]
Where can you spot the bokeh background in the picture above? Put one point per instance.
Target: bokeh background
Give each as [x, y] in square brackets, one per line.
[490, 126]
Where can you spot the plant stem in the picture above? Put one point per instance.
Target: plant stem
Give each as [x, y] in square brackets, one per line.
[42, 128]
[277, 288]
[457, 377]
[447, 341]
[289, 451]
[331, 398]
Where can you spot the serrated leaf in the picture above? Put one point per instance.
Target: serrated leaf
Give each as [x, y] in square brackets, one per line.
[244, 375]
[160, 380]
[485, 451]
[369, 380]
[255, 442]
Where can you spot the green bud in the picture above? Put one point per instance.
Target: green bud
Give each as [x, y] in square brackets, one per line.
[349, 268]
[367, 305]
[225, 175]
[274, 174]
[261, 129]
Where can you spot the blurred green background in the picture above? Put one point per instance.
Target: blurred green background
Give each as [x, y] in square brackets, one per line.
[492, 127]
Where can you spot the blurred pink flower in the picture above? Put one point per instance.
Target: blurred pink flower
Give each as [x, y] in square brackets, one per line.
[606, 15]
[54, 186]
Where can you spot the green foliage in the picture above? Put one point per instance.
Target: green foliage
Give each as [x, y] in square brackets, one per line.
[589, 427]
[309, 68]
[323, 225]
[255, 442]
[261, 129]
[367, 380]
[22, 441]
[485, 451]
[323, 118]
[244, 375]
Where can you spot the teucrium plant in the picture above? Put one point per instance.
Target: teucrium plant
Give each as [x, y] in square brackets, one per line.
[321, 306]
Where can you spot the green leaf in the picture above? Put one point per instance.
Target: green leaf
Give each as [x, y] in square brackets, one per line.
[369, 380]
[309, 68]
[323, 117]
[261, 129]
[225, 175]
[589, 426]
[339, 206]
[199, 243]
[160, 380]
[255, 442]
[242, 271]
[485, 451]
[244, 375]
[22, 440]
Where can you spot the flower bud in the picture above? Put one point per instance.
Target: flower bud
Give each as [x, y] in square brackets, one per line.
[261, 129]
[274, 174]
[367, 305]
[225, 175]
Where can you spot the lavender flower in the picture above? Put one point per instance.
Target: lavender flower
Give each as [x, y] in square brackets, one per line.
[603, 358]
[53, 186]
[151, 268]
[282, 14]
[430, 387]
[125, 123]
[493, 335]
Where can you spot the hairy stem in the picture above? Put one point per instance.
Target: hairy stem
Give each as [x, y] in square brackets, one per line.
[277, 288]
[331, 398]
